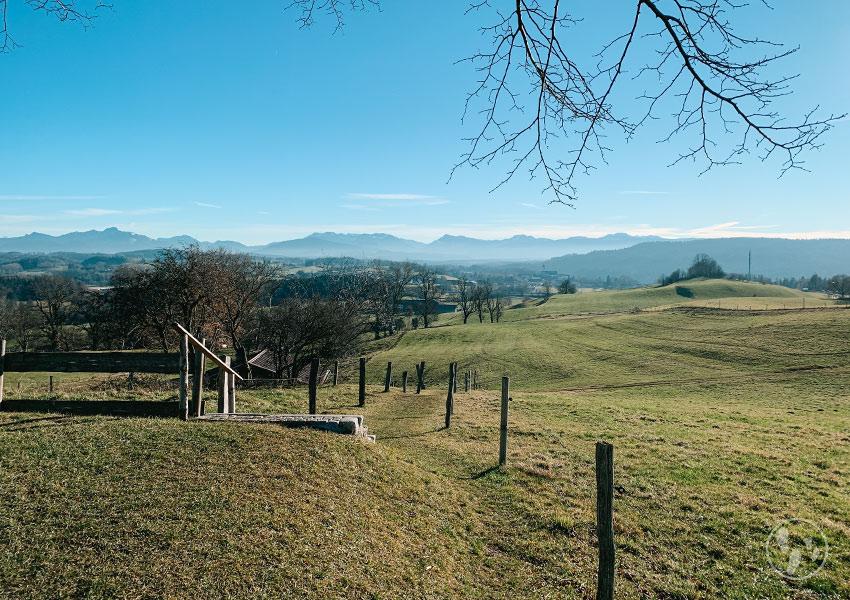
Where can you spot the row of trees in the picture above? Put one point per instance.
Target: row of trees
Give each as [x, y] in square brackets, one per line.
[230, 299]
[702, 266]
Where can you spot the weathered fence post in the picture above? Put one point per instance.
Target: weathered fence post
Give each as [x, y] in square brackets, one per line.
[454, 379]
[130, 381]
[605, 519]
[389, 375]
[231, 389]
[475, 379]
[450, 398]
[404, 382]
[466, 382]
[418, 378]
[503, 425]
[197, 381]
[51, 384]
[2, 367]
[421, 385]
[184, 377]
[314, 373]
[223, 388]
[361, 392]
[336, 372]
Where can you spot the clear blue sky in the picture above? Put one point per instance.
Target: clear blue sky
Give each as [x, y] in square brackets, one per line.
[225, 121]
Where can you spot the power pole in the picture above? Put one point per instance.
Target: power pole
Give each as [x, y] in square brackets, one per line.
[750, 265]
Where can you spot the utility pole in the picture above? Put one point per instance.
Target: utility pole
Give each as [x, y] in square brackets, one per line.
[750, 265]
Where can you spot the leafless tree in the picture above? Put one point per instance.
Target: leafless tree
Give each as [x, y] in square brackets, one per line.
[498, 307]
[429, 293]
[74, 11]
[547, 289]
[480, 298]
[55, 298]
[241, 281]
[23, 325]
[548, 111]
[464, 297]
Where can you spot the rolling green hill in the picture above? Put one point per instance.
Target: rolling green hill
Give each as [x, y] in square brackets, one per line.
[700, 290]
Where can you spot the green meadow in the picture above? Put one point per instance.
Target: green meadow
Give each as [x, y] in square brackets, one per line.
[724, 422]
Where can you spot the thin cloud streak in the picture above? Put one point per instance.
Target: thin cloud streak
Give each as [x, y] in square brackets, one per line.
[32, 198]
[644, 192]
[99, 212]
[353, 196]
[206, 205]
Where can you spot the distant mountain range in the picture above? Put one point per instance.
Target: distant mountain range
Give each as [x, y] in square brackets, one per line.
[643, 258]
[376, 245]
[772, 257]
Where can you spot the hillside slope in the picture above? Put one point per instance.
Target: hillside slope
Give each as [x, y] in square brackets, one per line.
[771, 257]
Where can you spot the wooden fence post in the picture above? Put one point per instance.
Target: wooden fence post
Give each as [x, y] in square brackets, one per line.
[404, 382]
[475, 379]
[361, 392]
[314, 373]
[389, 375]
[503, 425]
[454, 379]
[605, 519]
[130, 381]
[450, 398]
[421, 384]
[197, 382]
[223, 388]
[2, 367]
[336, 372]
[231, 389]
[184, 377]
[466, 382]
[51, 384]
[418, 378]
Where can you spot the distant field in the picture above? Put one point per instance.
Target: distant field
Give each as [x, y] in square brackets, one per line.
[724, 423]
[650, 297]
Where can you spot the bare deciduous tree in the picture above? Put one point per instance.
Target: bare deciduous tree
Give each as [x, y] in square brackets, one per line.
[464, 297]
[429, 292]
[55, 298]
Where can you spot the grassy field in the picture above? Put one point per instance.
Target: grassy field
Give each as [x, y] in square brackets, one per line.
[724, 424]
[733, 293]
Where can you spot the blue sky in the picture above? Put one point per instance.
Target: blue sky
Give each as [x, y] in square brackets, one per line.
[199, 118]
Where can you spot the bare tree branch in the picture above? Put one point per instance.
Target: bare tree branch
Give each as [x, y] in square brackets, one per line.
[72, 11]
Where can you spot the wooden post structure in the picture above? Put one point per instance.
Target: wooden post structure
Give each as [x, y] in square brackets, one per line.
[454, 379]
[314, 373]
[184, 377]
[389, 376]
[197, 381]
[361, 391]
[605, 519]
[51, 384]
[503, 424]
[2, 366]
[404, 381]
[475, 379]
[420, 374]
[130, 381]
[223, 388]
[231, 389]
[466, 382]
[450, 398]
[336, 372]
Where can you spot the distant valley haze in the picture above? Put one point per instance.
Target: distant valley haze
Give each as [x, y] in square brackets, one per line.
[643, 258]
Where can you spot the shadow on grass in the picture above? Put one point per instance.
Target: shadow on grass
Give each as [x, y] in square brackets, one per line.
[411, 435]
[117, 408]
[485, 472]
